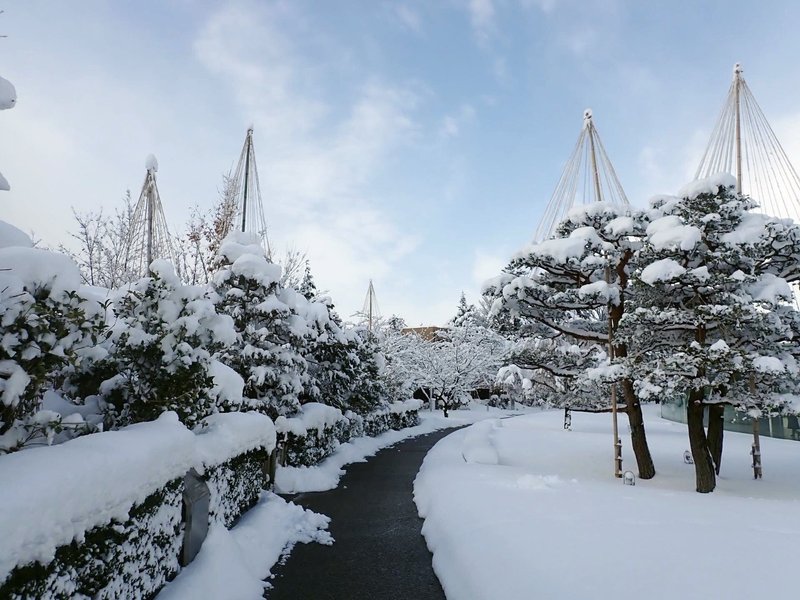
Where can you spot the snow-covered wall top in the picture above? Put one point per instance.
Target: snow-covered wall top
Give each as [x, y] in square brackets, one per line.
[313, 415]
[87, 482]
[317, 416]
[227, 435]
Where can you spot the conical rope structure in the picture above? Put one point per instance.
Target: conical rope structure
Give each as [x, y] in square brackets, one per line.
[370, 312]
[149, 236]
[588, 177]
[249, 214]
[744, 144]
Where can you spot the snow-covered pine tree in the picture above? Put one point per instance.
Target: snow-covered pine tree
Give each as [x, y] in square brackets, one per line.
[161, 351]
[712, 320]
[563, 299]
[272, 332]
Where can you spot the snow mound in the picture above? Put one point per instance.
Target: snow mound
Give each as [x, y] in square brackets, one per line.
[224, 436]
[11, 237]
[234, 564]
[665, 269]
[710, 185]
[670, 232]
[238, 243]
[228, 384]
[313, 415]
[34, 268]
[151, 164]
[8, 95]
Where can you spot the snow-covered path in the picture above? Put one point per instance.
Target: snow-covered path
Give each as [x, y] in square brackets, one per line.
[520, 509]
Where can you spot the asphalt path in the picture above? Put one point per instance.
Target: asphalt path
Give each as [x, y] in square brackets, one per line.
[379, 552]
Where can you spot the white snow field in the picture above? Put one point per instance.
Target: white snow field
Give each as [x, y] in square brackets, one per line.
[520, 509]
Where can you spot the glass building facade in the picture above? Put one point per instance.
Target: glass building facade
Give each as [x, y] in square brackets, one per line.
[784, 427]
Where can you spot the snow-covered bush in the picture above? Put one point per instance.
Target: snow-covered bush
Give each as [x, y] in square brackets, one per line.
[271, 334]
[160, 354]
[46, 326]
[318, 430]
[117, 529]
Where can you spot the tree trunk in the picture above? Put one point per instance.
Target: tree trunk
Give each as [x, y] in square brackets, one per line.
[703, 464]
[715, 433]
[641, 451]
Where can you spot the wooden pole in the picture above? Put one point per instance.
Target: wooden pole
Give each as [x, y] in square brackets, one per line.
[150, 209]
[247, 149]
[590, 127]
[756, 449]
[614, 423]
[737, 83]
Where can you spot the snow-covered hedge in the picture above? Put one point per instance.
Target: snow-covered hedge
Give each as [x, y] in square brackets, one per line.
[107, 507]
[318, 429]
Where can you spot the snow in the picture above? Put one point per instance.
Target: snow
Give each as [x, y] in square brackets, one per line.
[224, 436]
[151, 164]
[549, 520]
[228, 384]
[769, 288]
[91, 480]
[620, 226]
[768, 364]
[11, 237]
[238, 243]
[670, 232]
[326, 475]
[232, 565]
[4, 185]
[36, 268]
[564, 249]
[84, 483]
[313, 415]
[661, 270]
[8, 95]
[710, 185]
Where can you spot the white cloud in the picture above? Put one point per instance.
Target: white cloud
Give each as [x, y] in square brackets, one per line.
[482, 17]
[317, 158]
[453, 123]
[486, 265]
[408, 17]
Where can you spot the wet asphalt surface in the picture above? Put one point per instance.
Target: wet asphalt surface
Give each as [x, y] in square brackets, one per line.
[379, 552]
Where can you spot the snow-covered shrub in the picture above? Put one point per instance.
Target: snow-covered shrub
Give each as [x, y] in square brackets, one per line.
[236, 485]
[234, 450]
[271, 334]
[131, 559]
[318, 430]
[117, 530]
[160, 356]
[46, 326]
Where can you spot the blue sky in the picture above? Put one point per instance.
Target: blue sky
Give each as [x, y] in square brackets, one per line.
[412, 142]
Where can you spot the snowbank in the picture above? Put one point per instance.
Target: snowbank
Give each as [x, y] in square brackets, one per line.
[234, 564]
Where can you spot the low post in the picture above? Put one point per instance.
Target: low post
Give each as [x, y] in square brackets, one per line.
[756, 451]
[196, 498]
